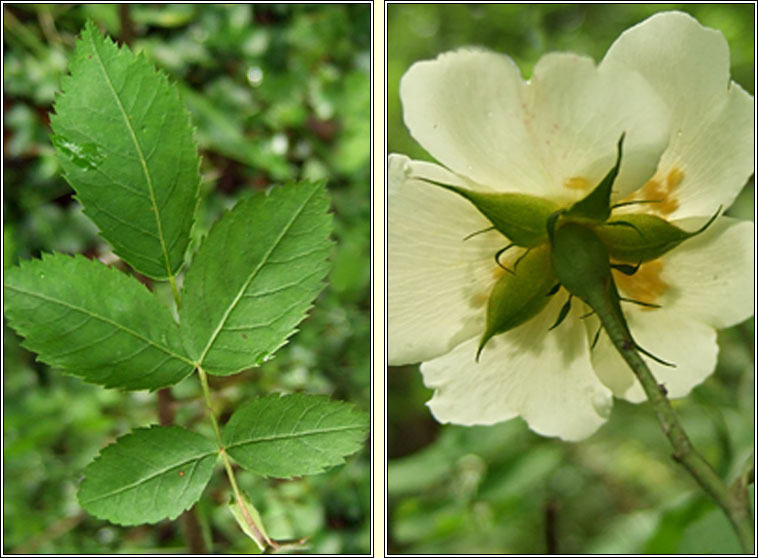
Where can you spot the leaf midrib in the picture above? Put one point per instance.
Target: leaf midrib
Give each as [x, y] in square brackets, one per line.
[143, 161]
[102, 319]
[250, 278]
[150, 477]
[294, 435]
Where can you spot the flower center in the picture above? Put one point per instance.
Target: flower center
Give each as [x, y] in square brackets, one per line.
[645, 285]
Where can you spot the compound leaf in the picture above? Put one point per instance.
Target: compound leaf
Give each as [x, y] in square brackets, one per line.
[292, 435]
[254, 277]
[94, 322]
[148, 475]
[126, 146]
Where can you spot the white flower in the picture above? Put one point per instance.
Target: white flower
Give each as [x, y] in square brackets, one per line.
[689, 144]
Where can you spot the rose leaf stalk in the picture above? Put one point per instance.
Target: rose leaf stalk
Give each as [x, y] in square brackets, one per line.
[249, 525]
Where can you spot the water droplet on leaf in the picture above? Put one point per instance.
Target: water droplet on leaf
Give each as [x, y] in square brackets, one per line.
[86, 156]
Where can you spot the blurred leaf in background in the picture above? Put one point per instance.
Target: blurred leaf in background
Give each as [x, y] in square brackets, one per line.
[499, 489]
[276, 92]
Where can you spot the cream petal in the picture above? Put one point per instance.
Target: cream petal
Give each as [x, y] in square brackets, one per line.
[543, 376]
[579, 114]
[438, 283]
[466, 109]
[672, 336]
[711, 149]
[472, 111]
[711, 276]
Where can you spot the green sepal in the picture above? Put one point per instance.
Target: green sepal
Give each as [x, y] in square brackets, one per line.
[596, 206]
[562, 314]
[520, 217]
[646, 237]
[519, 296]
[581, 262]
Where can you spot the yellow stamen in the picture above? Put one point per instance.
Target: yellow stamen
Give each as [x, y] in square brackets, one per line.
[675, 177]
[576, 183]
[659, 188]
[645, 285]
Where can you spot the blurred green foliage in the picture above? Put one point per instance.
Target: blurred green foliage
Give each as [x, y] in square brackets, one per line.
[277, 93]
[491, 489]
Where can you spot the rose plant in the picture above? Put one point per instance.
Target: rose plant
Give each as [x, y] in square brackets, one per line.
[603, 183]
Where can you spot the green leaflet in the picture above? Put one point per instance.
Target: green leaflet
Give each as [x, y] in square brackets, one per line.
[148, 475]
[292, 435]
[255, 276]
[125, 143]
[94, 322]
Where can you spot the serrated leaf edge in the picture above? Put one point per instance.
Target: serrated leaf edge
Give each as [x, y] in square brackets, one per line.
[360, 415]
[318, 188]
[24, 333]
[148, 177]
[84, 503]
[90, 28]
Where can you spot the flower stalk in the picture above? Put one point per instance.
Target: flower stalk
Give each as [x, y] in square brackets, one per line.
[735, 503]
[582, 264]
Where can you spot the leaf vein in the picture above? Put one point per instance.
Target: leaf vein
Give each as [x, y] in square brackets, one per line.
[103, 319]
[143, 162]
[90, 343]
[139, 482]
[295, 435]
[253, 274]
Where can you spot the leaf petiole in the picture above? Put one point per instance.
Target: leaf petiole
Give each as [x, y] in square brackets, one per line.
[260, 538]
